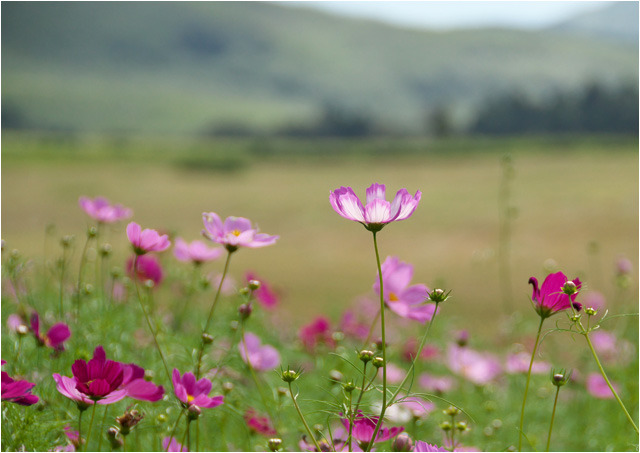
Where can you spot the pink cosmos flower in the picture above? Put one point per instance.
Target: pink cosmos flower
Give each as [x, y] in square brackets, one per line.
[148, 268]
[378, 211]
[54, 338]
[318, 331]
[351, 326]
[549, 299]
[18, 392]
[260, 357]
[594, 299]
[194, 393]
[436, 384]
[103, 211]
[597, 386]
[197, 251]
[406, 301]
[259, 424]
[410, 350]
[234, 232]
[363, 428]
[479, 368]
[171, 444]
[519, 363]
[624, 266]
[338, 442]
[407, 408]
[73, 437]
[264, 295]
[146, 240]
[424, 446]
[16, 324]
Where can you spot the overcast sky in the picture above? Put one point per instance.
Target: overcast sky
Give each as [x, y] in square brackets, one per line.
[458, 14]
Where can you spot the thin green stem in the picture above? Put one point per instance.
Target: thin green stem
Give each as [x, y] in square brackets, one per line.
[553, 416]
[80, 430]
[104, 417]
[422, 343]
[146, 316]
[63, 268]
[173, 431]
[304, 422]
[83, 259]
[184, 438]
[373, 325]
[363, 390]
[213, 307]
[526, 389]
[384, 348]
[93, 414]
[188, 435]
[604, 375]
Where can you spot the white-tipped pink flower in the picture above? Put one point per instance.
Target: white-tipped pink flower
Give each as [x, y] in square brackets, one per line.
[104, 212]
[378, 211]
[146, 240]
[235, 232]
[260, 357]
[197, 251]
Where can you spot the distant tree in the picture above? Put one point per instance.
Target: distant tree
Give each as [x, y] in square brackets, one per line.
[439, 122]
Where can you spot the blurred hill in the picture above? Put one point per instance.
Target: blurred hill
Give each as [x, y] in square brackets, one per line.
[191, 67]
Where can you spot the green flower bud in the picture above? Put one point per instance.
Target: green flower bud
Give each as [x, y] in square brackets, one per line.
[591, 311]
[378, 362]
[206, 338]
[365, 355]
[445, 426]
[254, 285]
[274, 444]
[451, 411]
[349, 386]
[438, 295]
[92, 232]
[290, 376]
[569, 288]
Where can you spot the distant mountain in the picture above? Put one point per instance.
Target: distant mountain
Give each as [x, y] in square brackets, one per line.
[618, 21]
[187, 67]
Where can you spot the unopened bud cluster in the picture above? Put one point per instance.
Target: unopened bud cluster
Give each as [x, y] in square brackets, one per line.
[365, 355]
[591, 311]
[274, 444]
[438, 295]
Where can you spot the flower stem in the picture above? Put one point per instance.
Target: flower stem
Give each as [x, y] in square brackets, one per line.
[526, 389]
[373, 325]
[304, 422]
[604, 375]
[173, 431]
[80, 430]
[553, 415]
[83, 259]
[104, 417]
[63, 267]
[213, 307]
[93, 414]
[384, 348]
[146, 316]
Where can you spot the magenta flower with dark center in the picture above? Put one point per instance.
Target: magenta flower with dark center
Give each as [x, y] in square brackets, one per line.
[18, 392]
[104, 212]
[363, 428]
[235, 232]
[194, 393]
[550, 299]
[404, 300]
[144, 241]
[261, 357]
[197, 251]
[378, 211]
[147, 268]
[55, 336]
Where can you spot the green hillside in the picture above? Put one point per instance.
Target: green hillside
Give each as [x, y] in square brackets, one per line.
[183, 67]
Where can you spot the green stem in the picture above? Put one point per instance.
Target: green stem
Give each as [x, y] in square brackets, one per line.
[173, 431]
[422, 343]
[80, 430]
[184, 438]
[553, 415]
[384, 348]
[213, 307]
[83, 259]
[363, 390]
[146, 316]
[64, 267]
[373, 325]
[526, 389]
[304, 422]
[93, 414]
[104, 417]
[604, 375]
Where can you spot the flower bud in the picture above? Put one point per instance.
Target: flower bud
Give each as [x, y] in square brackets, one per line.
[193, 412]
[365, 355]
[227, 387]
[335, 376]
[349, 386]
[245, 311]
[234, 325]
[149, 284]
[105, 250]
[22, 330]
[128, 421]
[378, 362]
[445, 426]
[148, 375]
[462, 338]
[560, 377]
[87, 289]
[591, 311]
[244, 291]
[161, 418]
[112, 435]
[496, 424]
[289, 376]
[451, 411]
[274, 444]
[204, 283]
[575, 318]
[438, 295]
[206, 338]
[92, 232]
[462, 426]
[15, 254]
[337, 336]
[254, 285]
[402, 443]
[569, 288]
[282, 391]
[66, 241]
[116, 272]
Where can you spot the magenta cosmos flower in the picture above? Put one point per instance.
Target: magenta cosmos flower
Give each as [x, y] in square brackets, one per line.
[148, 268]
[549, 299]
[194, 393]
[406, 301]
[105, 382]
[172, 445]
[261, 357]
[597, 386]
[258, 423]
[104, 212]
[146, 240]
[197, 251]
[235, 232]
[426, 447]
[265, 295]
[363, 428]
[378, 211]
[55, 336]
[316, 332]
[18, 392]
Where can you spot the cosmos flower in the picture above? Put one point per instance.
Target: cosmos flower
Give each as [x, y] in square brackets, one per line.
[426, 447]
[404, 300]
[364, 426]
[55, 336]
[479, 368]
[104, 212]
[147, 268]
[549, 299]
[436, 384]
[18, 392]
[194, 393]
[258, 424]
[144, 241]
[171, 444]
[261, 357]
[265, 294]
[597, 386]
[235, 232]
[316, 332]
[519, 363]
[197, 251]
[378, 212]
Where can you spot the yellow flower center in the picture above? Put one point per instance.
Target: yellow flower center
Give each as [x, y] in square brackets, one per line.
[236, 232]
[190, 398]
[393, 297]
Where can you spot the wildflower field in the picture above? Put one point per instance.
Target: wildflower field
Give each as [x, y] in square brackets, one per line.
[333, 296]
